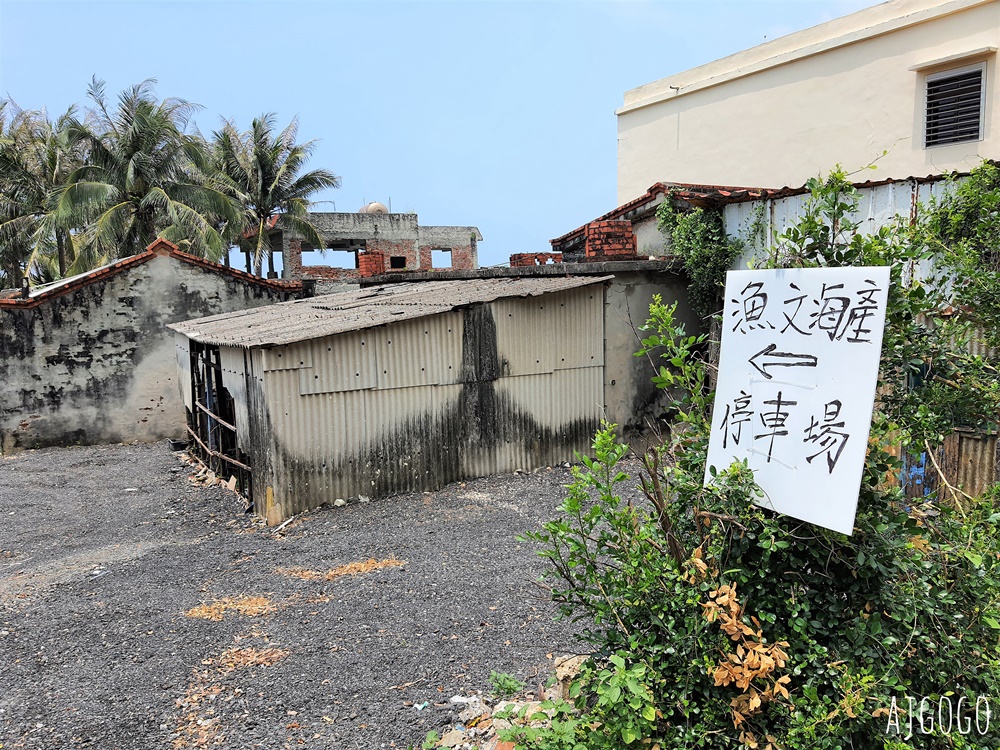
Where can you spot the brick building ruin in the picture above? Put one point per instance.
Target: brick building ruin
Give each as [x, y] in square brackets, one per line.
[370, 242]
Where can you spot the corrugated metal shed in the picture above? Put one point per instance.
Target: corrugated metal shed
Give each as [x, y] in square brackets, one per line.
[403, 388]
[331, 314]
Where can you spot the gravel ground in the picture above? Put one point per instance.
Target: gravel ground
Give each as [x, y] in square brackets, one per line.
[104, 552]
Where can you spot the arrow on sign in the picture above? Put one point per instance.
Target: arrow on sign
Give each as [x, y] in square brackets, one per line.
[770, 358]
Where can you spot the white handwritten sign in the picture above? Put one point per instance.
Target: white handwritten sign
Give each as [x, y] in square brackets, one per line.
[797, 377]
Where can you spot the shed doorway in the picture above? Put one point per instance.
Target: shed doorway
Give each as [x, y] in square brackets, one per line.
[212, 423]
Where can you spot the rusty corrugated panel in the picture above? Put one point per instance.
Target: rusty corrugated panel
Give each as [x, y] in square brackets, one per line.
[969, 460]
[302, 320]
[979, 347]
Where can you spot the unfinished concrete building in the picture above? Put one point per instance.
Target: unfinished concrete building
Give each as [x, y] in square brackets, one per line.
[370, 242]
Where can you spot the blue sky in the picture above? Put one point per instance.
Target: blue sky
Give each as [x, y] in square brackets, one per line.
[494, 114]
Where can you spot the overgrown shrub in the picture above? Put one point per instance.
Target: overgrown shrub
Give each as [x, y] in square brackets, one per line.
[698, 238]
[964, 226]
[731, 626]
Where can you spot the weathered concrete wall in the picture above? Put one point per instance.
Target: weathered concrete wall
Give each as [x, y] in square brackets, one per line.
[96, 365]
[349, 226]
[630, 398]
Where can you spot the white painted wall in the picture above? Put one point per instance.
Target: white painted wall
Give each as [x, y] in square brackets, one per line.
[842, 92]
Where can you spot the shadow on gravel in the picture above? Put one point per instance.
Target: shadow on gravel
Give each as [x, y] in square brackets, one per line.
[139, 610]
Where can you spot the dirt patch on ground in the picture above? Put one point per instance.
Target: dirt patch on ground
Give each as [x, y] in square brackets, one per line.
[139, 610]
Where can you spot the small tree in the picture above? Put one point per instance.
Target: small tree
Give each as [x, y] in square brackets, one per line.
[36, 157]
[144, 176]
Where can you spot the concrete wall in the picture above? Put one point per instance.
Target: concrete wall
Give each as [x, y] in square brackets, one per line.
[95, 365]
[630, 398]
[842, 92]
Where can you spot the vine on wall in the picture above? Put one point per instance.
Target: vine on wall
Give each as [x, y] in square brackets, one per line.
[698, 237]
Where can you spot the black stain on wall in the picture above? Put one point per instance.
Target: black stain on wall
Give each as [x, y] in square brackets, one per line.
[435, 447]
[68, 366]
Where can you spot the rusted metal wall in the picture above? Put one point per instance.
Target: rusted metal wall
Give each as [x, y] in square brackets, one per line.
[415, 405]
[969, 460]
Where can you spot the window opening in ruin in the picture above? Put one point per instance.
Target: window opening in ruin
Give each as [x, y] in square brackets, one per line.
[440, 258]
[397, 261]
[330, 258]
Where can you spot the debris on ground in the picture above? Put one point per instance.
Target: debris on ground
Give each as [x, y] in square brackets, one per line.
[477, 722]
[350, 569]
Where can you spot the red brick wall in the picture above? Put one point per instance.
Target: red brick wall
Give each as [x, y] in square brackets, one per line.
[534, 259]
[293, 260]
[375, 260]
[295, 270]
[372, 263]
[461, 257]
[400, 248]
[609, 240]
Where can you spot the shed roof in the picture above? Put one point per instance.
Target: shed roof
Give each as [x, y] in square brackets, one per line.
[326, 315]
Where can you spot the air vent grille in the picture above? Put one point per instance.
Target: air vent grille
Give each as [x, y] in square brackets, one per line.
[954, 107]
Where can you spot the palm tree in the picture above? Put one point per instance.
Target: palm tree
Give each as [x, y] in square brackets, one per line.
[36, 157]
[262, 168]
[144, 177]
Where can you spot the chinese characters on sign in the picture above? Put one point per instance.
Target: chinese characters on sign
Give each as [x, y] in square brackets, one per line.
[797, 376]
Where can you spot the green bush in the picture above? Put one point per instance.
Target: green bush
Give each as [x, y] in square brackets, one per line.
[698, 239]
[717, 624]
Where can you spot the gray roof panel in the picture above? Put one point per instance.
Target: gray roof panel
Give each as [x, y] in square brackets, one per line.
[330, 314]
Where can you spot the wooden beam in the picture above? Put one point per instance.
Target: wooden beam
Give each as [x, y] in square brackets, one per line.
[223, 456]
[215, 416]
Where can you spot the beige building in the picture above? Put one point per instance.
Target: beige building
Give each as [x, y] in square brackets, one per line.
[916, 78]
